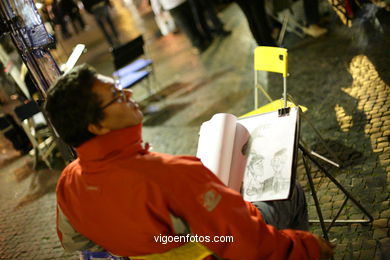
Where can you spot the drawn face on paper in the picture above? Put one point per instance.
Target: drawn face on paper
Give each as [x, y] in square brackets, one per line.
[255, 164]
[265, 158]
[278, 160]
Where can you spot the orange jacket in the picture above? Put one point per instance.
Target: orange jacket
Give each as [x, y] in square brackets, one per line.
[121, 197]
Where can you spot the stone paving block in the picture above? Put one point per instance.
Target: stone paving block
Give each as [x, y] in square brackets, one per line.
[382, 144]
[327, 213]
[384, 204]
[380, 233]
[385, 214]
[356, 255]
[377, 124]
[383, 109]
[376, 113]
[324, 200]
[367, 254]
[339, 197]
[381, 223]
[382, 199]
[385, 241]
[378, 255]
[374, 120]
[384, 159]
[375, 214]
[376, 135]
[369, 244]
[356, 245]
[374, 130]
[386, 121]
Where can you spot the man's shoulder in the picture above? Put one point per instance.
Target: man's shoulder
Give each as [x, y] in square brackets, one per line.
[70, 170]
[72, 167]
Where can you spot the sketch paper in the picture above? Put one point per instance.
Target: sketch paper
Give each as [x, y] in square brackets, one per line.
[254, 155]
[269, 171]
[217, 144]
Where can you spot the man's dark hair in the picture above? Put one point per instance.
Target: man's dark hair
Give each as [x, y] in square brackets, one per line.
[72, 106]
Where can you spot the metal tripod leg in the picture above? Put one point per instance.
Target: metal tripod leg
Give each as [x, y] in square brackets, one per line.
[335, 158]
[316, 201]
[306, 154]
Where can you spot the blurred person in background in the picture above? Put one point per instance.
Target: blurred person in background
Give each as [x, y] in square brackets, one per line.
[207, 18]
[59, 18]
[261, 25]
[254, 11]
[184, 18]
[312, 14]
[70, 8]
[100, 10]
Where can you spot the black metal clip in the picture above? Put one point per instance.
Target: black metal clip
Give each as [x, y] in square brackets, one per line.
[285, 111]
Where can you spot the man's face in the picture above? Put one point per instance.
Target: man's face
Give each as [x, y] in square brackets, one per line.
[119, 112]
[256, 164]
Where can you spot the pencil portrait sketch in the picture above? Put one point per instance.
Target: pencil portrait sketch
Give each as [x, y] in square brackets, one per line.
[255, 182]
[268, 171]
[278, 162]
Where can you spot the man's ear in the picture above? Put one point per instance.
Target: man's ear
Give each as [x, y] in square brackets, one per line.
[97, 129]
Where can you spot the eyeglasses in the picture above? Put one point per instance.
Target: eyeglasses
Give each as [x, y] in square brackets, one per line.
[120, 97]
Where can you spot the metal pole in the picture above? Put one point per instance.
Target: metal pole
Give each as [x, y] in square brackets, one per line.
[285, 91]
[314, 195]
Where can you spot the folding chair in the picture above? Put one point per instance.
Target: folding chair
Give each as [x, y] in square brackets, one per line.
[130, 68]
[272, 59]
[35, 127]
[14, 133]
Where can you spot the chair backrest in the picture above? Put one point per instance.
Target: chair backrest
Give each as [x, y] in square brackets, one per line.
[35, 127]
[273, 59]
[5, 123]
[28, 110]
[128, 52]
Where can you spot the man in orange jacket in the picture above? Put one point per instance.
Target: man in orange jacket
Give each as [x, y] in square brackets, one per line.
[120, 197]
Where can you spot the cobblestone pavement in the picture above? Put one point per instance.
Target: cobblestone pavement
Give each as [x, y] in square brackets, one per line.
[343, 78]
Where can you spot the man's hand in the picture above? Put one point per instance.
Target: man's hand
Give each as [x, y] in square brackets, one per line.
[326, 248]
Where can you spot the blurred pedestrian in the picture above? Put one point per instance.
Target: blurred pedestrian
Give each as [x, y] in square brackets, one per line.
[181, 13]
[70, 8]
[60, 19]
[255, 13]
[207, 18]
[261, 28]
[100, 10]
[312, 15]
[164, 20]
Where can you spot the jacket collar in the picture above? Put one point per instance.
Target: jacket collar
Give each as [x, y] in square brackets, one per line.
[98, 150]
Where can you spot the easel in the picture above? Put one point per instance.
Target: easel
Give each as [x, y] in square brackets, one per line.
[274, 59]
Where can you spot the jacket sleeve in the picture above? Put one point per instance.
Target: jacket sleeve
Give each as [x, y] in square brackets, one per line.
[211, 209]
